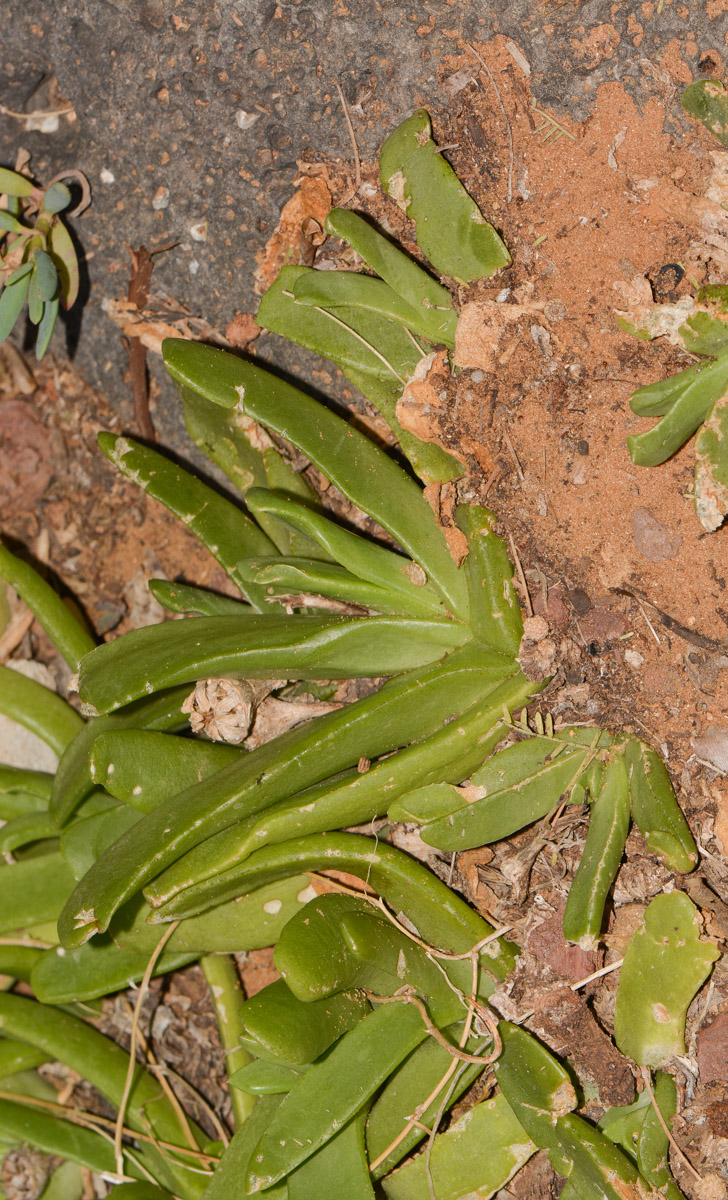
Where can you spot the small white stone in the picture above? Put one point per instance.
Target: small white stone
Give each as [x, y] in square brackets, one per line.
[244, 120]
[160, 199]
[107, 176]
[193, 267]
[198, 232]
[634, 658]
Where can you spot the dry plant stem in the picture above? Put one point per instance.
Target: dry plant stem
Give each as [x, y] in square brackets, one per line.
[476, 1059]
[138, 294]
[487, 70]
[162, 1072]
[22, 941]
[36, 114]
[645, 1073]
[521, 576]
[574, 987]
[682, 631]
[355, 148]
[377, 902]
[648, 623]
[143, 987]
[80, 178]
[514, 456]
[414, 1120]
[79, 1116]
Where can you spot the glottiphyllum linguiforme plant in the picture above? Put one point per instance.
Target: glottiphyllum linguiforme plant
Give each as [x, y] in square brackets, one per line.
[380, 1019]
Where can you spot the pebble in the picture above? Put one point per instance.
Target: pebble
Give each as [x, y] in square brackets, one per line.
[653, 539]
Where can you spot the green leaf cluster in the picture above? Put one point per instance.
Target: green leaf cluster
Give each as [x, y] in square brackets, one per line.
[38, 260]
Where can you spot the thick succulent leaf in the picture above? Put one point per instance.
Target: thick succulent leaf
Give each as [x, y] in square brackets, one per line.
[317, 960]
[12, 300]
[472, 1160]
[537, 1087]
[495, 615]
[16, 1057]
[31, 783]
[14, 184]
[227, 438]
[406, 1091]
[440, 916]
[339, 1169]
[705, 334]
[262, 647]
[45, 327]
[656, 399]
[18, 803]
[520, 785]
[639, 1131]
[653, 1147]
[221, 527]
[10, 223]
[362, 557]
[60, 244]
[34, 891]
[450, 229]
[602, 854]
[362, 471]
[46, 275]
[138, 1191]
[376, 354]
[56, 198]
[655, 809]
[707, 101]
[296, 760]
[334, 1090]
[278, 1025]
[665, 964]
[539, 1091]
[25, 829]
[305, 577]
[73, 778]
[16, 962]
[142, 768]
[69, 637]
[181, 598]
[711, 467]
[405, 277]
[249, 922]
[353, 336]
[105, 1065]
[262, 1078]
[335, 289]
[35, 303]
[22, 1123]
[98, 969]
[228, 1182]
[88, 836]
[455, 748]
[359, 948]
[685, 415]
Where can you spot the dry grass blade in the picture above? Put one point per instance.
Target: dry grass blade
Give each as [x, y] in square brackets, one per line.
[143, 988]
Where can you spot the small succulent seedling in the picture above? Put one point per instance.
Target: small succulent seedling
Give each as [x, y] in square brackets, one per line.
[38, 261]
[695, 401]
[707, 100]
